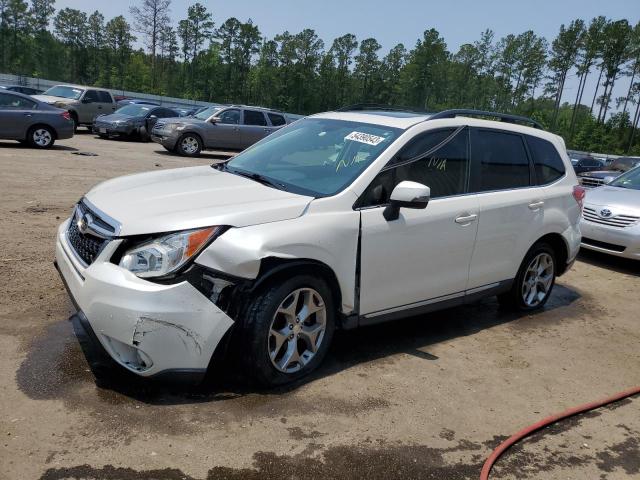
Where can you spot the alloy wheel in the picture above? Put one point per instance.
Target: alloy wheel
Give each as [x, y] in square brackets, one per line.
[189, 145]
[297, 330]
[42, 137]
[538, 279]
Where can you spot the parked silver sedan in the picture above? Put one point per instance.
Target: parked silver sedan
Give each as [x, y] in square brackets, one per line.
[611, 217]
[28, 120]
[217, 128]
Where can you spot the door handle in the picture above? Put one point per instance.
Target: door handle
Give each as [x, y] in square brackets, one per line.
[28, 115]
[536, 205]
[466, 218]
[99, 107]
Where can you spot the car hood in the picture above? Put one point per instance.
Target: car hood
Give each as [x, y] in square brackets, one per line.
[615, 197]
[193, 197]
[54, 100]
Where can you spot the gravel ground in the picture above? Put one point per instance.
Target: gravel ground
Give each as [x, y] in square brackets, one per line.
[428, 397]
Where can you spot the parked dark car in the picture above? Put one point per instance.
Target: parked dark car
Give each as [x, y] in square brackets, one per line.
[27, 120]
[226, 128]
[586, 164]
[21, 89]
[128, 101]
[131, 120]
[616, 168]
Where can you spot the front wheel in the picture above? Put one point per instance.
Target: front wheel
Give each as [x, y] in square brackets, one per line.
[189, 145]
[288, 329]
[41, 137]
[535, 280]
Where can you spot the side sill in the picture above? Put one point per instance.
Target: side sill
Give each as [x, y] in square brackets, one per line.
[471, 296]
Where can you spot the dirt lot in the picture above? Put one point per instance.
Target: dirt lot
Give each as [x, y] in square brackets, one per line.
[426, 398]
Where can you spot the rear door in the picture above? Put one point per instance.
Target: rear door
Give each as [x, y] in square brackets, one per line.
[106, 104]
[254, 127]
[16, 115]
[511, 206]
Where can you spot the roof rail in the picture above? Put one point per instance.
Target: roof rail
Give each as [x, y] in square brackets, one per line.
[503, 117]
[378, 106]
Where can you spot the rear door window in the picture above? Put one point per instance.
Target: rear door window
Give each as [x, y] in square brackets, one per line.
[252, 117]
[276, 120]
[104, 97]
[14, 102]
[548, 165]
[500, 160]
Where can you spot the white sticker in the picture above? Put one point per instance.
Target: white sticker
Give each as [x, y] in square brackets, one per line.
[364, 138]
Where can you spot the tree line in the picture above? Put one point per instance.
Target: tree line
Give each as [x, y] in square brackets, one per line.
[233, 62]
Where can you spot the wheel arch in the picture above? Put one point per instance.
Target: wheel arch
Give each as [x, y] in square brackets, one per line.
[560, 248]
[273, 268]
[41, 124]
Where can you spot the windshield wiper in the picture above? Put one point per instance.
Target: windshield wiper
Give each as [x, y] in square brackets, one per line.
[257, 177]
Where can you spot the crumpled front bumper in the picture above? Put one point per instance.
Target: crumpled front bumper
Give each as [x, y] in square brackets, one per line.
[148, 328]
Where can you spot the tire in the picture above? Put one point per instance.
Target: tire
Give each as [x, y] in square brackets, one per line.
[532, 286]
[189, 145]
[144, 135]
[269, 364]
[41, 136]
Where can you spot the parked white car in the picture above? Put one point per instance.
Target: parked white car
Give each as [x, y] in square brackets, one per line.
[339, 220]
[611, 218]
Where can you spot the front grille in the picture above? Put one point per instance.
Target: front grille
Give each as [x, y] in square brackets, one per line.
[606, 245]
[87, 247]
[158, 126]
[620, 221]
[591, 182]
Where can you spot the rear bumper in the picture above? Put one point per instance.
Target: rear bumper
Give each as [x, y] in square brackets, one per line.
[149, 329]
[64, 131]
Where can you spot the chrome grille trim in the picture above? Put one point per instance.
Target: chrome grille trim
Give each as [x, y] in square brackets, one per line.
[87, 241]
[620, 221]
[590, 182]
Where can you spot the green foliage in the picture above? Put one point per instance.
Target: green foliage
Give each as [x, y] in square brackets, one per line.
[191, 58]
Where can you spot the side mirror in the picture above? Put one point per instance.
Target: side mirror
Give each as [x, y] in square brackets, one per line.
[153, 117]
[408, 195]
[214, 119]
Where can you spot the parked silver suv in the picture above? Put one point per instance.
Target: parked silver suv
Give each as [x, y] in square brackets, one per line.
[217, 128]
[84, 104]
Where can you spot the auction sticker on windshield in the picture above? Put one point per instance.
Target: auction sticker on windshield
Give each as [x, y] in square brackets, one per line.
[364, 138]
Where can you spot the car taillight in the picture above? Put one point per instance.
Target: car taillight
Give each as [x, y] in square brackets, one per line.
[578, 193]
[66, 115]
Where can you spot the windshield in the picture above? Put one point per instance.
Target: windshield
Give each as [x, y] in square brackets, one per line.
[631, 179]
[64, 92]
[316, 156]
[134, 110]
[207, 112]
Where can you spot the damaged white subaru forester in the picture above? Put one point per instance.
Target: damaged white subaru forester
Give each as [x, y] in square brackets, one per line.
[339, 220]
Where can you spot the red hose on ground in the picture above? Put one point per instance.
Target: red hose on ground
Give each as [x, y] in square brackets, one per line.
[525, 432]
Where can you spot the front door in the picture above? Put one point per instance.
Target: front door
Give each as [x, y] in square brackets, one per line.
[225, 133]
[89, 110]
[424, 255]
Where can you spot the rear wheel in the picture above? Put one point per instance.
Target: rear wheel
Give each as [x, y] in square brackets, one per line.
[41, 136]
[189, 145]
[535, 280]
[288, 329]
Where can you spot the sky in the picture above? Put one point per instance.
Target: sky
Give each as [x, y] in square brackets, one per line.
[402, 21]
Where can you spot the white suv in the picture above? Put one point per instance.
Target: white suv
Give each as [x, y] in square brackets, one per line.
[339, 220]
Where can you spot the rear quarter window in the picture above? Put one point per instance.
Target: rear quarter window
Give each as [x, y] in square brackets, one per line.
[548, 164]
[276, 120]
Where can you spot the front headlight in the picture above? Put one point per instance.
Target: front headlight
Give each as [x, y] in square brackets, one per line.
[165, 255]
